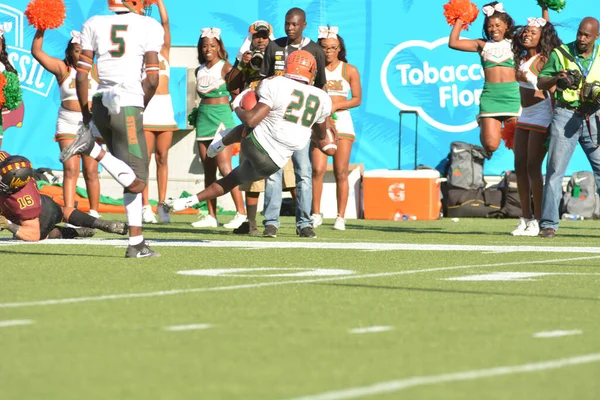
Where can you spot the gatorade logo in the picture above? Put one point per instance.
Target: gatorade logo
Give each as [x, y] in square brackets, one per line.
[396, 192]
[456, 172]
[428, 77]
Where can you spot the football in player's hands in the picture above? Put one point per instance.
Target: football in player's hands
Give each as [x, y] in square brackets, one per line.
[328, 145]
[249, 100]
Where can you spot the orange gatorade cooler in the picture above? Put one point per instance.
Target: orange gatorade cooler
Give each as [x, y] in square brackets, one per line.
[393, 194]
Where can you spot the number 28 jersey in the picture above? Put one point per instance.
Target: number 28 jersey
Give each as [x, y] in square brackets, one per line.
[120, 42]
[295, 108]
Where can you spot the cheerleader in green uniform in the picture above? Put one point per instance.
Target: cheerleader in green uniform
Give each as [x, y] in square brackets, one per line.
[214, 117]
[5, 65]
[500, 100]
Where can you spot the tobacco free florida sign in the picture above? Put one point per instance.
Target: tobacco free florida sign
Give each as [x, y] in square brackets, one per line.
[429, 77]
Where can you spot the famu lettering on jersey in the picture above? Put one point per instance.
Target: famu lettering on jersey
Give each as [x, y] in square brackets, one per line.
[449, 94]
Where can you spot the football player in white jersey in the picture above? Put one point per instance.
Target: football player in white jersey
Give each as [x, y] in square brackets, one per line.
[280, 123]
[123, 43]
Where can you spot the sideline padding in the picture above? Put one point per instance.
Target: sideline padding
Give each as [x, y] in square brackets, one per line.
[83, 204]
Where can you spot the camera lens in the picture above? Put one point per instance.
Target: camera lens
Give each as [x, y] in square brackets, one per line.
[256, 61]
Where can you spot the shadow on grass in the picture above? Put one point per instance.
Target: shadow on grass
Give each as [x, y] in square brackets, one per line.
[186, 228]
[413, 289]
[413, 229]
[45, 253]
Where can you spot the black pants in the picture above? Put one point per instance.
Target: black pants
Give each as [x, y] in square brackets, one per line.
[50, 216]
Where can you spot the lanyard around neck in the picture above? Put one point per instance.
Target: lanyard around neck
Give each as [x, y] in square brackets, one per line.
[287, 45]
[589, 67]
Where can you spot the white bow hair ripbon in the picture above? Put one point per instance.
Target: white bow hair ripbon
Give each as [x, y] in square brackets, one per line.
[328, 32]
[76, 35]
[5, 27]
[537, 22]
[214, 33]
[490, 10]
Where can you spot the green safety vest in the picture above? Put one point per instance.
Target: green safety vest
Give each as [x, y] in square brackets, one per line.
[570, 95]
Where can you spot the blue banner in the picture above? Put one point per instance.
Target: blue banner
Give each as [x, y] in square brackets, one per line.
[400, 49]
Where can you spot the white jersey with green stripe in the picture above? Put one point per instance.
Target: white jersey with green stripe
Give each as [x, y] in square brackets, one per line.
[120, 42]
[295, 108]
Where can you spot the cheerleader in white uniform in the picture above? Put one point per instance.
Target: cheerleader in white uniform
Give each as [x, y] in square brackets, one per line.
[159, 124]
[532, 47]
[343, 86]
[70, 118]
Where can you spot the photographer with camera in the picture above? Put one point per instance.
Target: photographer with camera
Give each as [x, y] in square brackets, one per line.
[575, 71]
[245, 71]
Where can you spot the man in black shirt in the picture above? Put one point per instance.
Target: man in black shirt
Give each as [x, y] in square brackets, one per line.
[274, 64]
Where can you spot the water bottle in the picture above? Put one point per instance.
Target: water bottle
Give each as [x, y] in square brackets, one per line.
[572, 217]
[404, 217]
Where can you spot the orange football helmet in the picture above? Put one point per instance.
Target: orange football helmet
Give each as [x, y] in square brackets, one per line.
[302, 66]
[136, 6]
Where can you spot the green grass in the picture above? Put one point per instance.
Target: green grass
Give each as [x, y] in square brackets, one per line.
[290, 338]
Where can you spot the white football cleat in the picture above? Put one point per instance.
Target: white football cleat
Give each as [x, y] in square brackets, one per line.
[175, 205]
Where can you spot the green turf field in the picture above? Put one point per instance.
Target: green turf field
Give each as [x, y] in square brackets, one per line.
[383, 310]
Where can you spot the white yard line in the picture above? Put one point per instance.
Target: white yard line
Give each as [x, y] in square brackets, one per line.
[192, 327]
[267, 244]
[370, 329]
[556, 333]
[407, 383]
[268, 284]
[16, 322]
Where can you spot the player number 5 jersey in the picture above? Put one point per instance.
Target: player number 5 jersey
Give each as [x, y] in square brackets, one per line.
[120, 42]
[295, 108]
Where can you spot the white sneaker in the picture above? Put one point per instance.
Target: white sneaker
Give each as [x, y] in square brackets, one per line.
[148, 216]
[163, 215]
[317, 220]
[205, 221]
[95, 214]
[520, 227]
[237, 221]
[532, 229]
[339, 224]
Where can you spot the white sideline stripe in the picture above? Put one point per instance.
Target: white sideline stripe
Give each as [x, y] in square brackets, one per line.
[192, 327]
[267, 284]
[370, 329]
[265, 244]
[557, 333]
[16, 322]
[406, 383]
